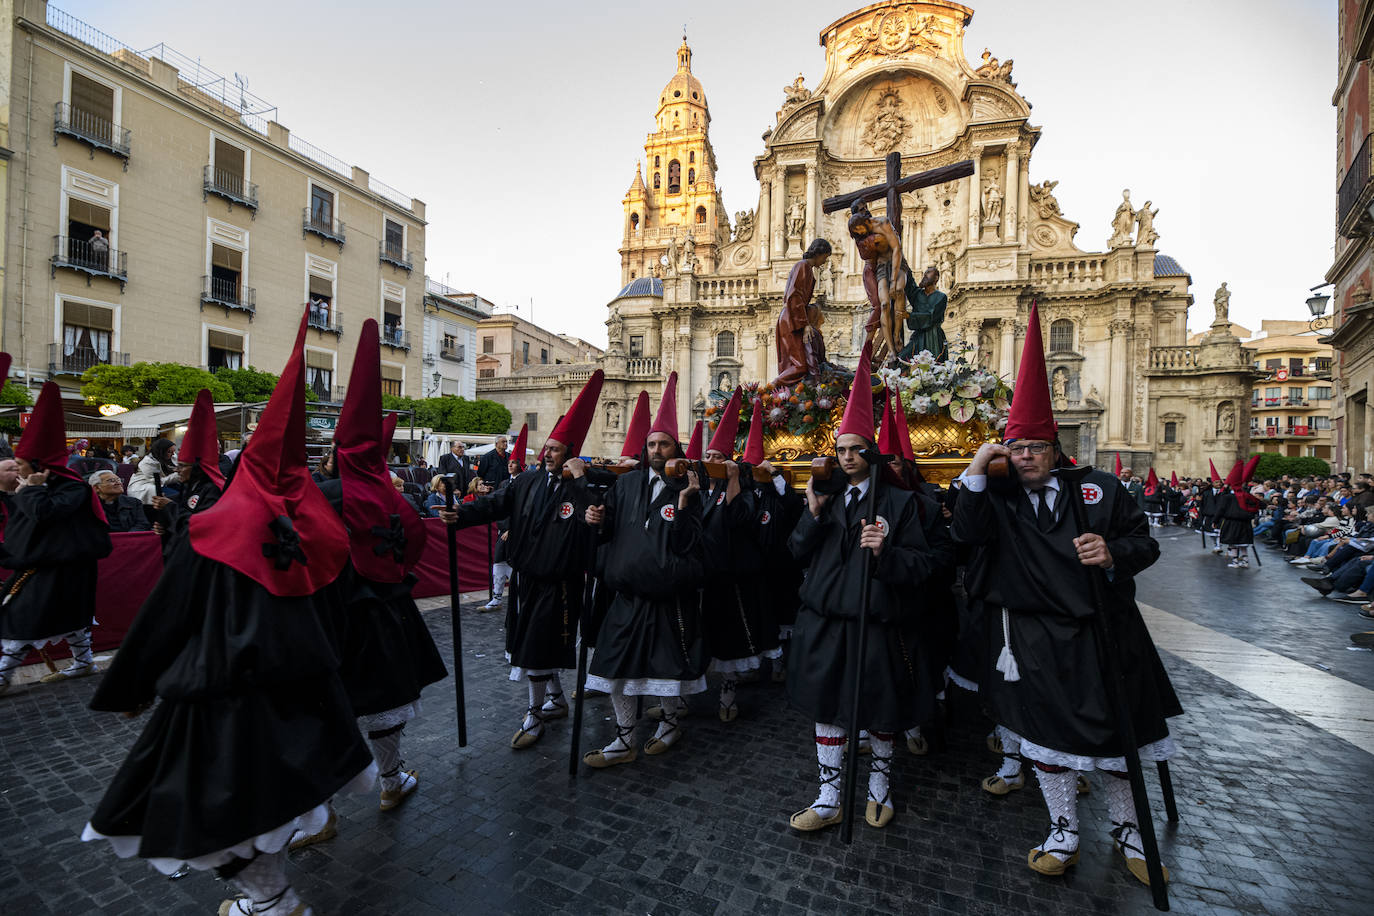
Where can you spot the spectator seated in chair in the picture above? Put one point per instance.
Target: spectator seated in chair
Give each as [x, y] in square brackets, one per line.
[124, 513]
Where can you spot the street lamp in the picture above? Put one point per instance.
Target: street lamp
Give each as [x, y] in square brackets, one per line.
[438, 378]
[1316, 304]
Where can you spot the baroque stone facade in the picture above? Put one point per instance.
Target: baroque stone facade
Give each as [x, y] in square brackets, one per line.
[897, 78]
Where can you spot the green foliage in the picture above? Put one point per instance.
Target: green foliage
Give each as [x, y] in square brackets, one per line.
[150, 383]
[1273, 466]
[453, 414]
[14, 396]
[250, 384]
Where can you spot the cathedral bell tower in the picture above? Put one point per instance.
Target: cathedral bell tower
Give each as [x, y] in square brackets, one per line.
[675, 194]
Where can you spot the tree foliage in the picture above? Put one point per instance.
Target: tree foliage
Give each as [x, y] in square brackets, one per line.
[249, 384]
[14, 396]
[151, 383]
[454, 414]
[1272, 466]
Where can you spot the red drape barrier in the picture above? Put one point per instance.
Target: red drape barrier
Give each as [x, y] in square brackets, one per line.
[128, 575]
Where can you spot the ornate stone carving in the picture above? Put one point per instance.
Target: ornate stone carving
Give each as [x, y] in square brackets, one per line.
[1146, 236]
[801, 126]
[744, 225]
[612, 415]
[1123, 221]
[1059, 388]
[796, 218]
[992, 70]
[940, 101]
[1122, 327]
[1226, 418]
[992, 203]
[887, 127]
[1044, 237]
[1043, 200]
[1222, 302]
[795, 93]
[897, 31]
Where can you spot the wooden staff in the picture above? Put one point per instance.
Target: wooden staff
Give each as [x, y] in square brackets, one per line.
[454, 620]
[1109, 661]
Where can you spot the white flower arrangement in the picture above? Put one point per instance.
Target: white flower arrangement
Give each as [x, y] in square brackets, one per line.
[958, 388]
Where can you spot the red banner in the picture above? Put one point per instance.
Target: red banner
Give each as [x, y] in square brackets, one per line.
[128, 574]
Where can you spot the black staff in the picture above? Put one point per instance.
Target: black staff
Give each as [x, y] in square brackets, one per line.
[453, 615]
[597, 484]
[1109, 660]
[875, 461]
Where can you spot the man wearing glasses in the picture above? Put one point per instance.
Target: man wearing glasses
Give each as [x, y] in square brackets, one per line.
[1046, 690]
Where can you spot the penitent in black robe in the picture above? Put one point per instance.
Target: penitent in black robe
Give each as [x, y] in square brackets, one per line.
[734, 615]
[778, 516]
[820, 675]
[253, 728]
[654, 563]
[549, 548]
[52, 542]
[1235, 513]
[1060, 701]
[386, 653]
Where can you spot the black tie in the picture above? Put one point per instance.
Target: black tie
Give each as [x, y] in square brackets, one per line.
[852, 507]
[1044, 518]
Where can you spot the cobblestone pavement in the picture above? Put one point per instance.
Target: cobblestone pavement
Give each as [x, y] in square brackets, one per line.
[1275, 811]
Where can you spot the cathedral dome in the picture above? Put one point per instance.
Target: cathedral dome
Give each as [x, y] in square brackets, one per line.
[641, 286]
[683, 88]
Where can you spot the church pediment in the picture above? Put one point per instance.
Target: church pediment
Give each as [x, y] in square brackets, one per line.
[993, 101]
[903, 110]
[799, 124]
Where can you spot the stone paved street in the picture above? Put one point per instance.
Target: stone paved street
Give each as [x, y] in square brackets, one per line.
[1275, 809]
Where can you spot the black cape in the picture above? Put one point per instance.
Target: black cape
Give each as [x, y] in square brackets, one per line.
[1236, 517]
[254, 727]
[820, 674]
[52, 542]
[654, 565]
[1060, 702]
[549, 548]
[735, 617]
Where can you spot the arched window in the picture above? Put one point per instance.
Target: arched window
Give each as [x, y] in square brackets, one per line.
[1061, 335]
[725, 344]
[701, 216]
[656, 181]
[634, 222]
[691, 176]
[691, 157]
[657, 162]
[674, 177]
[1171, 432]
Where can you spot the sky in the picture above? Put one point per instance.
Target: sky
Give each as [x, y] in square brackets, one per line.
[520, 125]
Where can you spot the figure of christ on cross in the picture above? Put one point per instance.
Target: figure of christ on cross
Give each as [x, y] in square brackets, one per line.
[892, 189]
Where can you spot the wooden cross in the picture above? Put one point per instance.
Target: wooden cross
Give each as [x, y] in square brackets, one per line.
[895, 186]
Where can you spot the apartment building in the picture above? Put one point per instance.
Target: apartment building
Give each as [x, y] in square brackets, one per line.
[509, 344]
[1292, 401]
[159, 212]
[449, 355]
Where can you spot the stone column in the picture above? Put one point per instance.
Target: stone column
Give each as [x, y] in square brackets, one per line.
[763, 226]
[1006, 359]
[780, 213]
[975, 199]
[1119, 398]
[813, 209]
[1023, 201]
[1011, 192]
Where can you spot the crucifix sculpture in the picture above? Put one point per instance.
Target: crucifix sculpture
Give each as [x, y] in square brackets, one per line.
[886, 276]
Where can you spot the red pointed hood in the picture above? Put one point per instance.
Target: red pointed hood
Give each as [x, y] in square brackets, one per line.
[1173, 479]
[858, 410]
[1118, 464]
[4, 368]
[571, 430]
[389, 423]
[753, 448]
[1216, 475]
[1031, 416]
[517, 451]
[693, 452]
[1233, 479]
[273, 524]
[724, 439]
[665, 421]
[1151, 482]
[638, 430]
[1249, 470]
[887, 433]
[200, 445]
[44, 441]
[903, 435]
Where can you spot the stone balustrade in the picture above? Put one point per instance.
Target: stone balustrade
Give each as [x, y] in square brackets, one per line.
[1089, 271]
[728, 289]
[643, 367]
[1173, 358]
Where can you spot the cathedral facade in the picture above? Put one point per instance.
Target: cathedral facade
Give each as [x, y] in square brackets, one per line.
[700, 293]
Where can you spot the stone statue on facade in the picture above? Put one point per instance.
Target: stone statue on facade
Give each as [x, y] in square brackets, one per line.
[795, 93]
[796, 218]
[1146, 236]
[992, 205]
[687, 262]
[612, 415]
[744, 225]
[887, 127]
[1043, 200]
[991, 69]
[1059, 388]
[669, 259]
[1226, 419]
[1123, 221]
[1222, 302]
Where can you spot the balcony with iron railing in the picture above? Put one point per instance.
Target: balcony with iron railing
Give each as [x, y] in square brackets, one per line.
[325, 317]
[323, 225]
[1355, 195]
[94, 130]
[81, 358]
[230, 295]
[456, 353]
[94, 259]
[395, 256]
[395, 337]
[231, 187]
